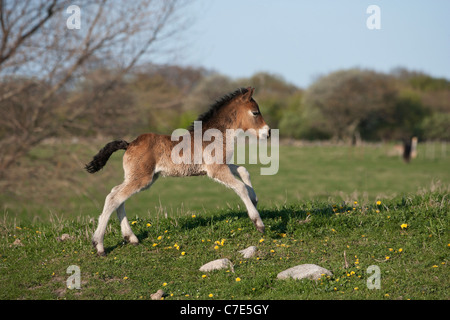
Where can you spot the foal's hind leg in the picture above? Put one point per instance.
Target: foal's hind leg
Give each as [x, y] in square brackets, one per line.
[127, 233]
[242, 172]
[113, 200]
[223, 174]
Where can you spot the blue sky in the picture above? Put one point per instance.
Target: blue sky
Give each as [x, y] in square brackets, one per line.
[301, 40]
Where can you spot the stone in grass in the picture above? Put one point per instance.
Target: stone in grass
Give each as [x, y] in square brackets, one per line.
[304, 271]
[158, 295]
[217, 265]
[63, 237]
[249, 252]
[16, 243]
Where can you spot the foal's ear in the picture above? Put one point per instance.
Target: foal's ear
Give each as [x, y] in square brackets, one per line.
[248, 95]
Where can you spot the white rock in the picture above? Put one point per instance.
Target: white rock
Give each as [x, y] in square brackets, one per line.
[157, 295]
[217, 265]
[17, 242]
[304, 271]
[249, 252]
[64, 237]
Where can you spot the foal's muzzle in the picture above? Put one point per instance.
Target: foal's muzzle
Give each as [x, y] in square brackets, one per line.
[264, 132]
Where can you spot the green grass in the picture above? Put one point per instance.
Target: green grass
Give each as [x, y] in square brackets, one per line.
[310, 215]
[417, 267]
[56, 183]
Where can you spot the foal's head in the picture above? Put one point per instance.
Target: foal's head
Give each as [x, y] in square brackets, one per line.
[248, 115]
[237, 110]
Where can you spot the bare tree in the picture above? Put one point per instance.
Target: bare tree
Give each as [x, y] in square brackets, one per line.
[41, 60]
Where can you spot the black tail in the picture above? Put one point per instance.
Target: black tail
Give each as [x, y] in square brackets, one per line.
[103, 155]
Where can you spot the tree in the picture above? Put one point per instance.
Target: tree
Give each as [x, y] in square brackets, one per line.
[41, 60]
[346, 98]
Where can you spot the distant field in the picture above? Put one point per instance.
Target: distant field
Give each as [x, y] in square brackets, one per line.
[340, 207]
[58, 185]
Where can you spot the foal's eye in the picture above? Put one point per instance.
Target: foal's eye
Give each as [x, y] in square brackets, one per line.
[255, 113]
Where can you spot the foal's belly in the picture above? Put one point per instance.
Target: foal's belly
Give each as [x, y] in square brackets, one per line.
[180, 170]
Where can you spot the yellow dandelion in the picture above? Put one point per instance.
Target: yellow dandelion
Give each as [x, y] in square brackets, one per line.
[183, 253]
[210, 295]
[435, 266]
[400, 250]
[125, 278]
[378, 202]
[261, 240]
[164, 284]
[204, 276]
[404, 225]
[159, 238]
[387, 257]
[238, 279]
[134, 222]
[149, 225]
[390, 249]
[216, 247]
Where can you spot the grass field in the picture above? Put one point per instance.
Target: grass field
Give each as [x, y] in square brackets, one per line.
[326, 201]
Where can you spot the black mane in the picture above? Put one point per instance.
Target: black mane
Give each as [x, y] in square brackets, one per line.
[217, 105]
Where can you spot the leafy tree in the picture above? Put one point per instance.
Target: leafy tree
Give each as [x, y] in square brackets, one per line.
[436, 127]
[346, 98]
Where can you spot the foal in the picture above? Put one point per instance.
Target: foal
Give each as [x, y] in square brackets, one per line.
[149, 156]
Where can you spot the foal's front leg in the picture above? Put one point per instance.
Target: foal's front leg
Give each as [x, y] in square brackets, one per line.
[242, 172]
[223, 174]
